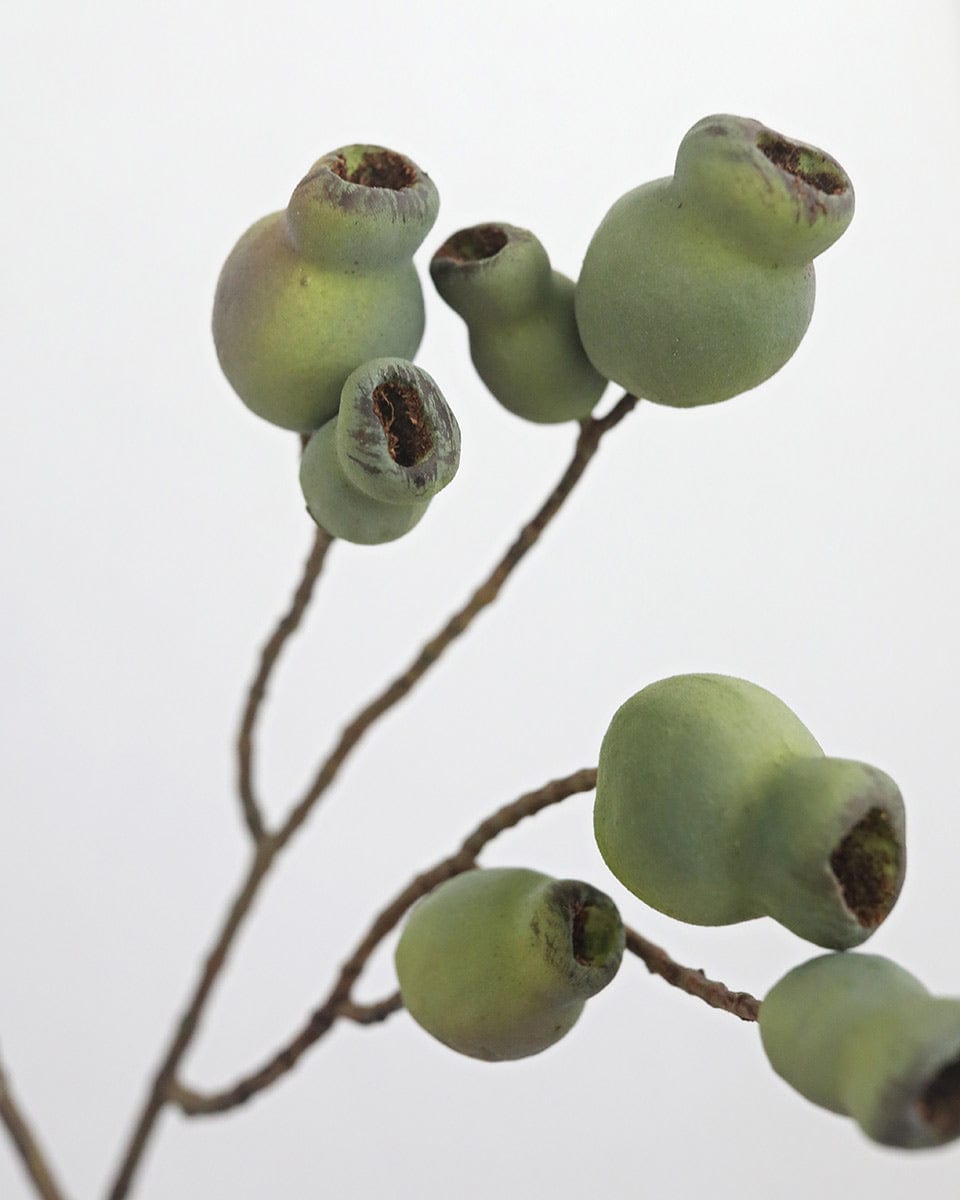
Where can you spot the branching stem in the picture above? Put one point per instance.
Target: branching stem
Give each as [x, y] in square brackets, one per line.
[339, 1002]
[268, 846]
[286, 627]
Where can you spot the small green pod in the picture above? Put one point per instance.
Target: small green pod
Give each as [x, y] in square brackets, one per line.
[397, 439]
[341, 508]
[715, 805]
[858, 1035]
[308, 294]
[519, 313]
[498, 963]
[700, 286]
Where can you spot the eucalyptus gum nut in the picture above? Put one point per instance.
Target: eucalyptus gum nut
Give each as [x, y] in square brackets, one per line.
[683, 770]
[701, 286]
[858, 1035]
[498, 963]
[780, 200]
[396, 438]
[362, 206]
[309, 293]
[524, 340]
[341, 508]
[829, 849]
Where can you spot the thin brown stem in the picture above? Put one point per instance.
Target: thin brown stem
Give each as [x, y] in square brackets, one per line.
[268, 845]
[591, 431]
[692, 980]
[27, 1146]
[187, 1025]
[338, 1002]
[285, 628]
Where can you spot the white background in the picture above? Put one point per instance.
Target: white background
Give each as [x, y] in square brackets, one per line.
[802, 536]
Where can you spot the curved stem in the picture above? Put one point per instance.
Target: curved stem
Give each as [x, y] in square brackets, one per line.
[692, 980]
[268, 846]
[285, 628]
[338, 1001]
[591, 431]
[27, 1146]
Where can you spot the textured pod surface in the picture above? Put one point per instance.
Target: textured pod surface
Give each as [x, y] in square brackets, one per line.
[397, 439]
[308, 294]
[498, 963]
[362, 206]
[683, 766]
[856, 1034]
[700, 286]
[342, 509]
[524, 340]
[827, 850]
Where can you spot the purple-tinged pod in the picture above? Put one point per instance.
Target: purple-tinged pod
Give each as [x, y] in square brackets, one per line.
[309, 293]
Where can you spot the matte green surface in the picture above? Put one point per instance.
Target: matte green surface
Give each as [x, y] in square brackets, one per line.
[342, 509]
[486, 962]
[524, 340]
[684, 768]
[700, 286]
[309, 294]
[856, 1034]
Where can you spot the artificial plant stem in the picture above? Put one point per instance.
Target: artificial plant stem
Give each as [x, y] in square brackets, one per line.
[692, 980]
[339, 1003]
[27, 1146]
[285, 628]
[269, 845]
[591, 431]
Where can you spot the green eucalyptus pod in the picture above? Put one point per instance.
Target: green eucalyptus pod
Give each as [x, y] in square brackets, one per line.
[498, 963]
[519, 313]
[856, 1034]
[397, 439]
[368, 475]
[309, 293]
[341, 508]
[715, 804]
[700, 286]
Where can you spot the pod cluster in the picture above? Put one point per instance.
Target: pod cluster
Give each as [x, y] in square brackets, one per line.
[318, 311]
[715, 804]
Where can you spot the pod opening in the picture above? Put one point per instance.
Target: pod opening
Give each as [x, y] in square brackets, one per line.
[803, 162]
[939, 1103]
[867, 866]
[399, 410]
[594, 933]
[473, 244]
[377, 169]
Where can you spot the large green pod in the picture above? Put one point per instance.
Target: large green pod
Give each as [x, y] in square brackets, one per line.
[715, 804]
[309, 294]
[858, 1035]
[498, 963]
[700, 286]
[519, 313]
